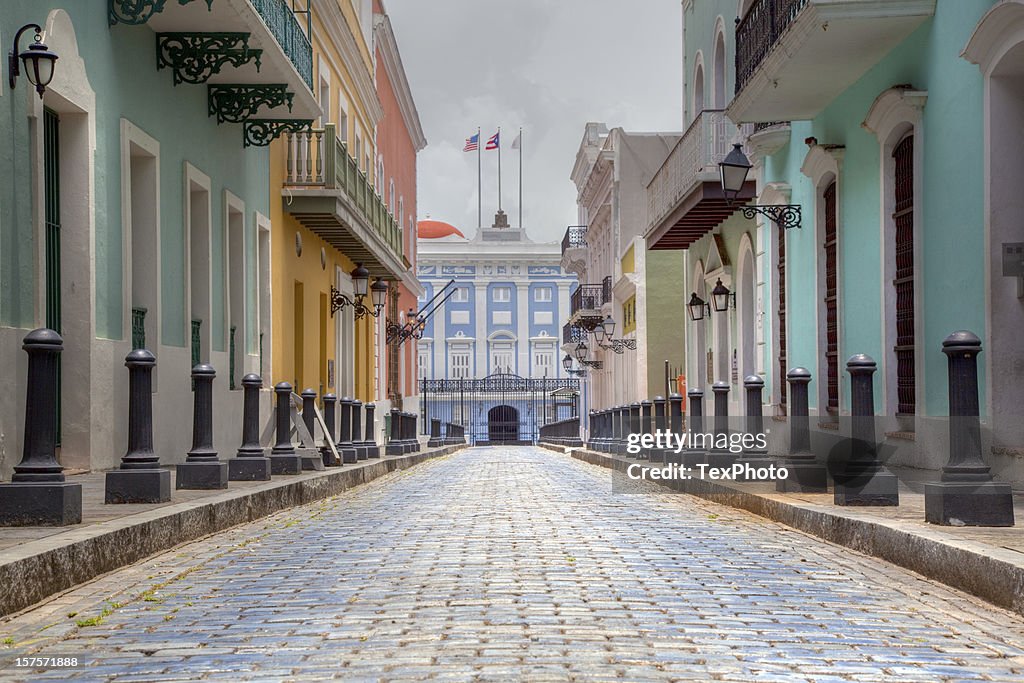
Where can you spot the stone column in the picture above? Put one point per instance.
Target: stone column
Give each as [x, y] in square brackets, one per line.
[967, 494]
[140, 478]
[202, 469]
[39, 494]
[862, 480]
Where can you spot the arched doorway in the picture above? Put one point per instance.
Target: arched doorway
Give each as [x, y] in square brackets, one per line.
[503, 424]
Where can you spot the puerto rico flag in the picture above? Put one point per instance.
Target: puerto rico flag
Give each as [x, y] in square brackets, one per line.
[472, 143]
[492, 143]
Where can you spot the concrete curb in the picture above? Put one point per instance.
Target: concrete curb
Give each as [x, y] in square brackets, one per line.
[39, 569]
[990, 573]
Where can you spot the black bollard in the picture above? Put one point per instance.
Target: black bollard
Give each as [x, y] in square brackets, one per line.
[346, 449]
[284, 459]
[675, 425]
[39, 494]
[250, 462]
[435, 433]
[659, 453]
[719, 455]
[633, 426]
[696, 450]
[862, 480]
[966, 495]
[202, 469]
[646, 426]
[140, 479]
[330, 421]
[805, 474]
[394, 446]
[370, 435]
[362, 450]
[311, 457]
[755, 441]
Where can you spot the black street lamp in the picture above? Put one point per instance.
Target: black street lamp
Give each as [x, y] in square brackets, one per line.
[697, 307]
[604, 333]
[567, 364]
[38, 60]
[721, 297]
[581, 351]
[360, 284]
[734, 170]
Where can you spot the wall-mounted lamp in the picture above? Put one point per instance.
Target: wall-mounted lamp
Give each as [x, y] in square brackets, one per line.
[734, 170]
[38, 60]
[360, 279]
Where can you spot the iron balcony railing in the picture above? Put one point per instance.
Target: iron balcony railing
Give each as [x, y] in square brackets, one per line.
[575, 237]
[317, 159]
[588, 298]
[606, 289]
[759, 32]
[285, 27]
[696, 154]
[573, 334]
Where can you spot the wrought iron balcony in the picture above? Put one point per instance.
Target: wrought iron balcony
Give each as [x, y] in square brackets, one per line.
[573, 334]
[588, 298]
[284, 26]
[332, 197]
[574, 238]
[685, 195]
[793, 57]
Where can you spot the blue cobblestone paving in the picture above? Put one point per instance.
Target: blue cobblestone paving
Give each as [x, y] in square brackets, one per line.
[517, 564]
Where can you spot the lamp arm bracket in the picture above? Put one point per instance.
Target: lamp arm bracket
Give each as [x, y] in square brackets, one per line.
[13, 70]
[786, 216]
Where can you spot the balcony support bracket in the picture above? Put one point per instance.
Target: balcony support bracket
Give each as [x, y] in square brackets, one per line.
[238, 103]
[261, 132]
[195, 57]
[136, 12]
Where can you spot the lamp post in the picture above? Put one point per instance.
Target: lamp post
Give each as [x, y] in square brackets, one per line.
[734, 170]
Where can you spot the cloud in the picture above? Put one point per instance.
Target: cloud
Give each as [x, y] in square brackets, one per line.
[544, 65]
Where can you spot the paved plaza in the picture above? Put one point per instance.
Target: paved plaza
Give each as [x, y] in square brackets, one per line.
[515, 563]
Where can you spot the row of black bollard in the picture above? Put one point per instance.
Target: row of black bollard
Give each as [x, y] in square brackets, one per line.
[562, 433]
[965, 495]
[454, 434]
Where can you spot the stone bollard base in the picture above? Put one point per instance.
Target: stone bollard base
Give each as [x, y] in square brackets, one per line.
[721, 459]
[138, 486]
[756, 461]
[285, 463]
[968, 504]
[311, 460]
[40, 504]
[874, 489]
[349, 455]
[803, 478]
[693, 458]
[373, 452]
[249, 469]
[201, 476]
[393, 448]
[328, 457]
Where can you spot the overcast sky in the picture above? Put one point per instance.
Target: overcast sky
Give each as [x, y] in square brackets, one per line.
[549, 66]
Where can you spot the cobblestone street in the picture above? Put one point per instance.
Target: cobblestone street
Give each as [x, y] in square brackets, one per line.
[516, 563]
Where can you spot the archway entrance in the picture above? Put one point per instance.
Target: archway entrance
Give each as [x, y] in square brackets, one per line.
[502, 424]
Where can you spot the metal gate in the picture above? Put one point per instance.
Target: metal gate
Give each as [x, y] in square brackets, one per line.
[500, 408]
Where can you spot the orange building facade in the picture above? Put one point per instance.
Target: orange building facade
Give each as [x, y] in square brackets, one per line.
[399, 139]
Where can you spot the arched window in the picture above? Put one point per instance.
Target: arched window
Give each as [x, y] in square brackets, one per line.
[720, 73]
[698, 91]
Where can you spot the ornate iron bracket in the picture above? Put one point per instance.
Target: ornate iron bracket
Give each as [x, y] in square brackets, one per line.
[136, 12]
[236, 103]
[596, 364]
[786, 216]
[618, 345]
[340, 301]
[194, 57]
[261, 132]
[399, 334]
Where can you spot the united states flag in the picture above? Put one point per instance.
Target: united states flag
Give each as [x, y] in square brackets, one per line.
[492, 143]
[472, 143]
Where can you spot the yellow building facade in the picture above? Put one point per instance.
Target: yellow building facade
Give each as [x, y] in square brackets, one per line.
[328, 216]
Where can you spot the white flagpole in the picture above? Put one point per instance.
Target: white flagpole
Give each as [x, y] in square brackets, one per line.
[520, 139]
[479, 195]
[499, 168]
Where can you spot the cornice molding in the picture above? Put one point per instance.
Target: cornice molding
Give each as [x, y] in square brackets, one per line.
[384, 37]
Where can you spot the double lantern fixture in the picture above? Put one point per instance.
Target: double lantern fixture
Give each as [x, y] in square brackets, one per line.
[360, 285]
[721, 300]
[37, 59]
[604, 334]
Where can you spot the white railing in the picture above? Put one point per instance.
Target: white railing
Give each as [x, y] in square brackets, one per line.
[694, 158]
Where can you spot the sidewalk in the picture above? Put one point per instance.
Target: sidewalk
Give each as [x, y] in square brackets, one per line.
[37, 562]
[983, 561]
